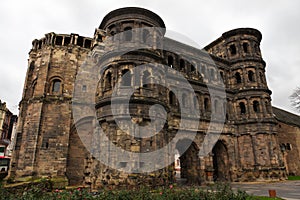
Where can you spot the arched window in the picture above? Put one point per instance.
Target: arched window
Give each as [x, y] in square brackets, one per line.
[172, 98]
[246, 47]
[56, 86]
[206, 104]
[170, 61]
[193, 68]
[181, 64]
[146, 76]
[256, 106]
[108, 80]
[242, 108]
[145, 35]
[232, 49]
[251, 76]
[126, 77]
[84, 88]
[238, 78]
[128, 34]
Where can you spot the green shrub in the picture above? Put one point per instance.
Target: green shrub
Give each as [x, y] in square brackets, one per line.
[42, 191]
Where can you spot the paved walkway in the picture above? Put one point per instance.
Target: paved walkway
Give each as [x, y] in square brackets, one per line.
[289, 190]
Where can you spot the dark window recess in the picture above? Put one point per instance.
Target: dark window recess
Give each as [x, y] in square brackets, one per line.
[128, 34]
[242, 108]
[56, 86]
[222, 76]
[45, 144]
[172, 98]
[58, 40]
[196, 101]
[181, 65]
[123, 164]
[87, 44]
[193, 68]
[206, 104]
[80, 41]
[170, 61]
[203, 69]
[146, 76]
[288, 146]
[84, 88]
[238, 77]
[246, 47]
[108, 80]
[145, 35]
[112, 33]
[256, 106]
[33, 87]
[150, 143]
[232, 49]
[251, 76]
[67, 41]
[40, 44]
[126, 78]
[211, 74]
[142, 164]
[31, 66]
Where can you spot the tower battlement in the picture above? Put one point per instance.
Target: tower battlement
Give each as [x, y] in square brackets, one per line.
[53, 39]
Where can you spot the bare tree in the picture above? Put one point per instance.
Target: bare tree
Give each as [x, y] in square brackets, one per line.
[295, 98]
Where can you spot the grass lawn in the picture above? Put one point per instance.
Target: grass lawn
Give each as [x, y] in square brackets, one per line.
[293, 178]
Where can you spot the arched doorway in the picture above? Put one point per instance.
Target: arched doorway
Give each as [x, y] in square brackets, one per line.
[221, 162]
[189, 163]
[77, 152]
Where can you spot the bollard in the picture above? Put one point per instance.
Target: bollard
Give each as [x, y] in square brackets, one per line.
[272, 193]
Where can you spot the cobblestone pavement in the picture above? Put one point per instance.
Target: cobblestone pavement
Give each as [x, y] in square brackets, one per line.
[289, 190]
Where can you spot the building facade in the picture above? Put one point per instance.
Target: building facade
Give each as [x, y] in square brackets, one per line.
[289, 139]
[48, 143]
[7, 123]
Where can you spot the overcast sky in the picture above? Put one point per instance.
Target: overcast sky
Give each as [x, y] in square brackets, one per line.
[201, 21]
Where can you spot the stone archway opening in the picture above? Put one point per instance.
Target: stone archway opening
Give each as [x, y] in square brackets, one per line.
[221, 162]
[187, 165]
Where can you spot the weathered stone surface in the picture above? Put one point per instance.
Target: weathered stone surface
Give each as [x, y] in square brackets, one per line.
[48, 142]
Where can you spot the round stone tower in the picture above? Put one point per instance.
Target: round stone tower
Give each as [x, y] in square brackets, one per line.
[131, 99]
[250, 105]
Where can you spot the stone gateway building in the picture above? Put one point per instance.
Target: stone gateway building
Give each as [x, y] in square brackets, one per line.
[48, 141]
